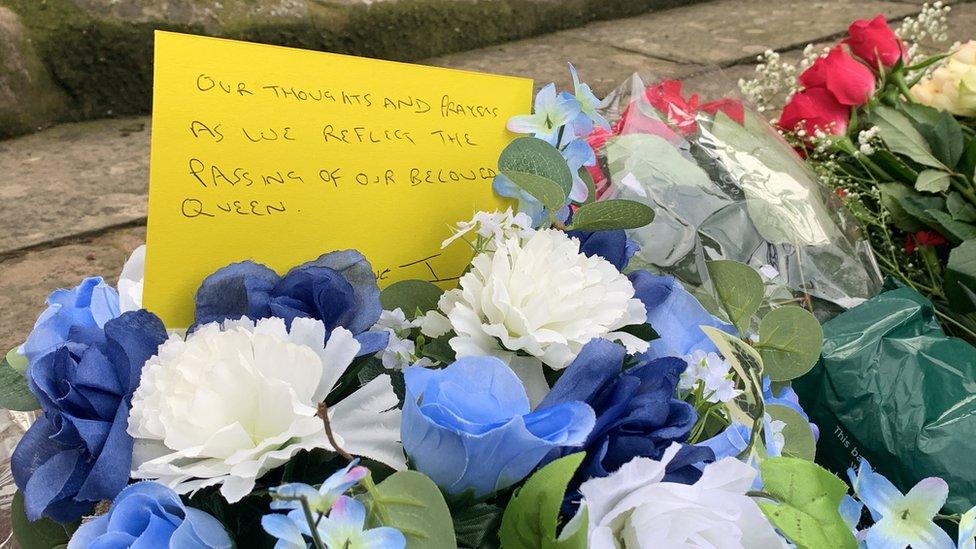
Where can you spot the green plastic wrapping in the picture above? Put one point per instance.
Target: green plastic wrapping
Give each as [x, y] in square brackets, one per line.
[893, 388]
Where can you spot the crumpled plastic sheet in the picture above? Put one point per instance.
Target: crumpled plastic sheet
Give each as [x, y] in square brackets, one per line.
[893, 388]
[13, 425]
[724, 190]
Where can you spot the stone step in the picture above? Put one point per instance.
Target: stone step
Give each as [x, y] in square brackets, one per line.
[80, 59]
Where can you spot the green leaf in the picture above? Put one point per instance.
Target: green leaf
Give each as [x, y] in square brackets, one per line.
[960, 277]
[808, 507]
[413, 504]
[933, 181]
[960, 209]
[535, 157]
[532, 515]
[909, 208]
[800, 442]
[957, 230]
[641, 331]
[17, 361]
[439, 349]
[607, 215]
[740, 291]
[477, 525]
[940, 129]
[40, 534]
[900, 136]
[14, 393]
[413, 297]
[546, 191]
[748, 408]
[790, 340]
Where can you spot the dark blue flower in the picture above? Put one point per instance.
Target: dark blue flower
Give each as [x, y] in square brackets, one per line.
[79, 453]
[675, 315]
[338, 288]
[148, 514]
[637, 413]
[614, 246]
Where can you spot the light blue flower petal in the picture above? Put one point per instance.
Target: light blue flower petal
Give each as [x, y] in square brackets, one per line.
[203, 527]
[293, 489]
[527, 123]
[383, 538]
[875, 491]
[544, 98]
[893, 532]
[284, 529]
[578, 154]
[850, 511]
[157, 533]
[926, 498]
[729, 443]
[87, 532]
[347, 512]
[967, 530]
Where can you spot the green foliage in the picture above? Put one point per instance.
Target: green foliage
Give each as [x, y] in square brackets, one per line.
[940, 129]
[908, 208]
[960, 277]
[808, 502]
[933, 181]
[740, 291]
[798, 436]
[607, 215]
[790, 340]
[413, 297]
[539, 169]
[40, 534]
[477, 525]
[14, 393]
[532, 515]
[410, 502]
[242, 519]
[900, 135]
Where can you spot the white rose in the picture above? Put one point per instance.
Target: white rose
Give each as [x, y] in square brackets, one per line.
[232, 402]
[634, 509]
[541, 297]
[952, 87]
[130, 281]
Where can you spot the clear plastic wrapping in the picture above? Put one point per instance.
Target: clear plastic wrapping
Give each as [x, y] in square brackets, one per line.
[725, 185]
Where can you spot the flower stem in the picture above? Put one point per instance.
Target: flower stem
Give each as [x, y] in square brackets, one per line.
[324, 414]
[376, 500]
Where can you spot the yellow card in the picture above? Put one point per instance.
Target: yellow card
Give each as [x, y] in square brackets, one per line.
[280, 155]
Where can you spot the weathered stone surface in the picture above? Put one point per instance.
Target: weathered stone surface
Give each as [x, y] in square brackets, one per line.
[544, 59]
[731, 31]
[72, 179]
[28, 279]
[29, 99]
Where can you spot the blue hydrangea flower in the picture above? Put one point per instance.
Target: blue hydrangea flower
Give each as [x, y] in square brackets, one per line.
[469, 427]
[148, 514]
[338, 288]
[551, 112]
[901, 520]
[79, 453]
[578, 154]
[320, 500]
[675, 315]
[90, 305]
[343, 528]
[637, 413]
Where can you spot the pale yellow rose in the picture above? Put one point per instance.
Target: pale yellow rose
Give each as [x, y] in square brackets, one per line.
[952, 87]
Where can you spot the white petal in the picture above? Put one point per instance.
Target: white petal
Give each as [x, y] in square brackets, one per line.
[369, 423]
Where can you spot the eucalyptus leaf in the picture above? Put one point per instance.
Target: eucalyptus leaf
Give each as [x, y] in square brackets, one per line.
[808, 498]
[413, 504]
[898, 133]
[740, 291]
[40, 534]
[790, 340]
[933, 181]
[413, 297]
[607, 215]
[14, 392]
[532, 515]
[17, 361]
[797, 434]
[960, 277]
[546, 191]
[528, 155]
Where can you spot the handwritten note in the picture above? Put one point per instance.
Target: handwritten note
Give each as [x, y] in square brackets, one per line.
[279, 155]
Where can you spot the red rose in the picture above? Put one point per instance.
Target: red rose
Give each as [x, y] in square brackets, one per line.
[849, 80]
[814, 109]
[597, 140]
[732, 108]
[875, 42]
[666, 98]
[923, 238]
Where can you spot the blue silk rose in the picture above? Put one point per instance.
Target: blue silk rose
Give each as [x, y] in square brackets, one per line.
[636, 411]
[469, 427]
[78, 452]
[90, 305]
[338, 288]
[148, 514]
[675, 315]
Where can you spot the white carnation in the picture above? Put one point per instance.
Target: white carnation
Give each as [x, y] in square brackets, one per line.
[541, 297]
[633, 509]
[229, 403]
[130, 280]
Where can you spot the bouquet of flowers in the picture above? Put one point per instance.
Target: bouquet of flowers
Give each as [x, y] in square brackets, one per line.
[561, 395]
[892, 131]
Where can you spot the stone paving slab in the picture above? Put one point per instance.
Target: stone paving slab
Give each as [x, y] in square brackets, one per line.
[727, 32]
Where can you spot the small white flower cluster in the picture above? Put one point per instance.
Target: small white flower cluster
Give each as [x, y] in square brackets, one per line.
[492, 229]
[713, 373]
[867, 140]
[401, 352]
[932, 24]
[774, 78]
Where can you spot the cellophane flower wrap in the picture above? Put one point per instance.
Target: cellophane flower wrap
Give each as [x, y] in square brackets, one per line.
[724, 184]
